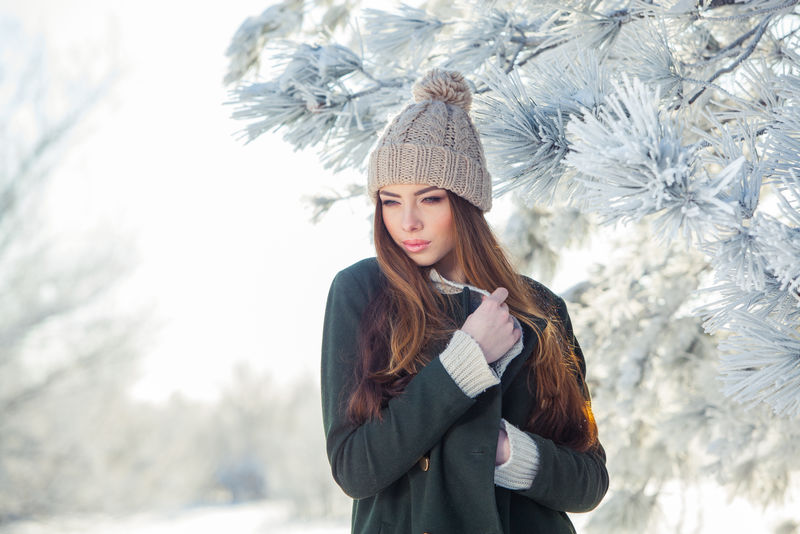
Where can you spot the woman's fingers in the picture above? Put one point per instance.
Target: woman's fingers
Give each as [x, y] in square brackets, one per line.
[500, 294]
[492, 325]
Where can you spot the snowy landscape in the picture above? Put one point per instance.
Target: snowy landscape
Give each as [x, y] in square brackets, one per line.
[176, 181]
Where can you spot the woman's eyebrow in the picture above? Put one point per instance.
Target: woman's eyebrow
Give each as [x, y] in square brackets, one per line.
[417, 193]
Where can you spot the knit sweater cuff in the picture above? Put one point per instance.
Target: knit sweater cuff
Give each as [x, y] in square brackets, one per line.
[464, 361]
[522, 465]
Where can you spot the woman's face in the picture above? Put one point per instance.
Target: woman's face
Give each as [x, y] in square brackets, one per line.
[419, 219]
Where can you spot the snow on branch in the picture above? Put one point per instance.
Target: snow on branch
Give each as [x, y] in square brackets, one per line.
[701, 121]
[248, 42]
[410, 33]
[633, 162]
[739, 258]
[728, 297]
[761, 363]
[523, 122]
[495, 36]
[525, 141]
[646, 54]
[780, 248]
[783, 151]
[318, 103]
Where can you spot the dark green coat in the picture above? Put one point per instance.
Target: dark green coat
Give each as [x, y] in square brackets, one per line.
[378, 463]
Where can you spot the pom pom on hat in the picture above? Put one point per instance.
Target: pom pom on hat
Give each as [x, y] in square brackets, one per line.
[447, 86]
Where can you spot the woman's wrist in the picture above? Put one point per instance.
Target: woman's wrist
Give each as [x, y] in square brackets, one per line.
[503, 448]
[464, 361]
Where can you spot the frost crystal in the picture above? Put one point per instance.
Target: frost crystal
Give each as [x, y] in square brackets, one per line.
[392, 36]
[525, 141]
[632, 163]
[249, 40]
[780, 247]
[761, 363]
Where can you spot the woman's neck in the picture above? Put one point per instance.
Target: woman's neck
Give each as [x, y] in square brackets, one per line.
[448, 268]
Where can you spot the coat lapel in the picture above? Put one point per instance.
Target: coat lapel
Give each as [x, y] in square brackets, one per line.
[530, 341]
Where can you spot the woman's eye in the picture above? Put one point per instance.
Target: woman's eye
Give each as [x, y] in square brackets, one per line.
[387, 202]
[432, 200]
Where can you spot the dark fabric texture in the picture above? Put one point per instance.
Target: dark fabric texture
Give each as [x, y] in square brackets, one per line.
[377, 463]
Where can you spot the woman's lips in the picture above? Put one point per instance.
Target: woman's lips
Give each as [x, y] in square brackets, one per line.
[416, 245]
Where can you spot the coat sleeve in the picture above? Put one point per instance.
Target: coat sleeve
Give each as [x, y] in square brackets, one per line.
[366, 458]
[568, 480]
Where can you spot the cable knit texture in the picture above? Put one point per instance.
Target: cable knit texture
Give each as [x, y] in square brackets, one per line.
[433, 141]
[522, 465]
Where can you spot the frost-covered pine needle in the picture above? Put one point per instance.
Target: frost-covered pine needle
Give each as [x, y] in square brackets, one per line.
[740, 259]
[575, 84]
[632, 163]
[727, 147]
[784, 136]
[728, 297]
[761, 363]
[268, 105]
[525, 141]
[392, 36]
[780, 247]
[495, 36]
[646, 54]
[251, 36]
[302, 98]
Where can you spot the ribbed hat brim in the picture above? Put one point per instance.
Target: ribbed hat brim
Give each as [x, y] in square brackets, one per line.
[434, 165]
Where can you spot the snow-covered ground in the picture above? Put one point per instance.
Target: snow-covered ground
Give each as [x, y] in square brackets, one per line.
[268, 517]
[252, 518]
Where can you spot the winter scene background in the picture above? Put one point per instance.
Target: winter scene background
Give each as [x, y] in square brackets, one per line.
[179, 183]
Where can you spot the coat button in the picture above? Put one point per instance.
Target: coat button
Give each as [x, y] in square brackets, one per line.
[425, 464]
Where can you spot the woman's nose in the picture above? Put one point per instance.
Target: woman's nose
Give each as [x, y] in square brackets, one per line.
[411, 220]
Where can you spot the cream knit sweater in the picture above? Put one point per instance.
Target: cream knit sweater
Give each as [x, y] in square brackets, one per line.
[464, 361]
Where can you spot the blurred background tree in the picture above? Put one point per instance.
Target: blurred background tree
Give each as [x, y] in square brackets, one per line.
[679, 119]
[74, 442]
[66, 353]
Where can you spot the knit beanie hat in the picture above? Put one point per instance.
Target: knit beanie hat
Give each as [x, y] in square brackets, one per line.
[433, 141]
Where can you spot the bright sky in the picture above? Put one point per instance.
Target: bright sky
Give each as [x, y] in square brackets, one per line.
[226, 250]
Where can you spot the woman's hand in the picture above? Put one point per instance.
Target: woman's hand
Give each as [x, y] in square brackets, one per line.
[492, 326]
[503, 448]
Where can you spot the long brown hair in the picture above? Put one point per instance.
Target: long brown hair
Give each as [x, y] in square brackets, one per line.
[408, 314]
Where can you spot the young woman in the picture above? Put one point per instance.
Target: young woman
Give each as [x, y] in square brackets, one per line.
[453, 388]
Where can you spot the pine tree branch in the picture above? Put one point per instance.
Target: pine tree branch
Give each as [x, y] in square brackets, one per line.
[724, 52]
[381, 84]
[762, 27]
[736, 137]
[753, 13]
[540, 50]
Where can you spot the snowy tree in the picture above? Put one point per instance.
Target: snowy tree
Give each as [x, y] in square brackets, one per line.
[665, 430]
[683, 113]
[266, 442]
[675, 124]
[65, 352]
